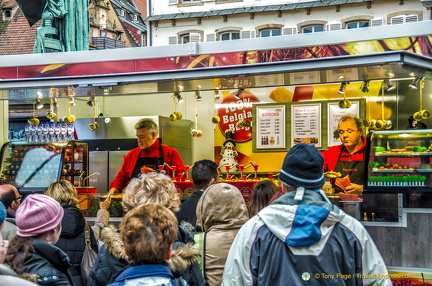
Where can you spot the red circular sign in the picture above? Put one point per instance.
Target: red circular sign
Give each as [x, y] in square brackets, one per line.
[234, 110]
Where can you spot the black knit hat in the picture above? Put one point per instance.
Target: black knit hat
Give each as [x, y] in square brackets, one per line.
[303, 167]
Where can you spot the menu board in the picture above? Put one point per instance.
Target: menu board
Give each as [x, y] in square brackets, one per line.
[270, 131]
[306, 124]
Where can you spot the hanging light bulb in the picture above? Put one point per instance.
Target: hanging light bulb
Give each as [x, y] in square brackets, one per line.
[71, 101]
[390, 87]
[179, 97]
[39, 104]
[342, 87]
[365, 86]
[239, 93]
[415, 82]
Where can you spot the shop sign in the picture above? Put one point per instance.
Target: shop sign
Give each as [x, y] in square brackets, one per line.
[232, 111]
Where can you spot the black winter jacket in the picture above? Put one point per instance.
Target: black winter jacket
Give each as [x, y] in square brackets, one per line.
[48, 262]
[112, 261]
[72, 240]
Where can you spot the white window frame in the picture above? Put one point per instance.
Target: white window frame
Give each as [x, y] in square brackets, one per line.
[357, 22]
[271, 32]
[313, 26]
[230, 35]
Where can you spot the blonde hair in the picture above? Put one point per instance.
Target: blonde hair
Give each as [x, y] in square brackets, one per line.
[63, 192]
[151, 188]
[148, 232]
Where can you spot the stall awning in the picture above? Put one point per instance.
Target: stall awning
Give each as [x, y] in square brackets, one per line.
[351, 68]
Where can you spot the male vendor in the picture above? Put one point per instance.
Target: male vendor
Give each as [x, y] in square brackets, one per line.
[348, 158]
[150, 154]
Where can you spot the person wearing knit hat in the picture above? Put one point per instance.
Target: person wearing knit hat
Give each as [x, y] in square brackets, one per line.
[305, 234]
[33, 250]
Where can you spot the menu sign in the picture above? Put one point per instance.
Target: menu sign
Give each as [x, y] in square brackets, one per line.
[270, 127]
[306, 124]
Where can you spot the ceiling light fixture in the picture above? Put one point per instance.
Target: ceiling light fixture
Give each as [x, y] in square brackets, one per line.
[178, 97]
[198, 95]
[54, 102]
[415, 83]
[390, 86]
[71, 101]
[217, 94]
[39, 104]
[365, 86]
[239, 93]
[342, 87]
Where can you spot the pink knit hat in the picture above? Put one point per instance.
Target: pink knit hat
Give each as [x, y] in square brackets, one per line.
[38, 214]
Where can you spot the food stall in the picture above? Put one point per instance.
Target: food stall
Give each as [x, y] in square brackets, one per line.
[226, 86]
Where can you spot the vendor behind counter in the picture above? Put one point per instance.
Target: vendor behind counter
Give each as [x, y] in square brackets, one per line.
[149, 155]
[347, 158]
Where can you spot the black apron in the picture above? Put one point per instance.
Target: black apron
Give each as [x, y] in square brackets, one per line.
[353, 169]
[150, 162]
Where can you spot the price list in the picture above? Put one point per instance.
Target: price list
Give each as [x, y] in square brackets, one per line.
[306, 124]
[270, 127]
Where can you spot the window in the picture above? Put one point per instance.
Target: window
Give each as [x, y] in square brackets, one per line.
[270, 32]
[402, 19]
[7, 14]
[356, 24]
[312, 29]
[227, 36]
[102, 33]
[122, 12]
[135, 17]
[190, 38]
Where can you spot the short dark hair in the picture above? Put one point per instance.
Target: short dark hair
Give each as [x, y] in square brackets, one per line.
[203, 172]
[8, 198]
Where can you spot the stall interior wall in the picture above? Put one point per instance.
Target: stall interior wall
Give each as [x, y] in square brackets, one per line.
[396, 105]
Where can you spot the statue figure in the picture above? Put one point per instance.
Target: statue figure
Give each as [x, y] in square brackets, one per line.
[64, 24]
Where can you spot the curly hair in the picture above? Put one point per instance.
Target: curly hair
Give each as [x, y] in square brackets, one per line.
[148, 232]
[151, 188]
[63, 192]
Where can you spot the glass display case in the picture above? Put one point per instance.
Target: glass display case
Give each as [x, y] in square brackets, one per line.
[32, 167]
[399, 162]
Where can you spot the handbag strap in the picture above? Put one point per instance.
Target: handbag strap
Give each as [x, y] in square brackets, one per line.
[87, 235]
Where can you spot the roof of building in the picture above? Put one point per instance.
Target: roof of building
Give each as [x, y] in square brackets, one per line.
[253, 9]
[133, 28]
[19, 37]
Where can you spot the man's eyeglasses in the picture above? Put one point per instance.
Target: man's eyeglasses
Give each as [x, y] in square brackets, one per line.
[19, 198]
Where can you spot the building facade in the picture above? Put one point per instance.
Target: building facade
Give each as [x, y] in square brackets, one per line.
[182, 21]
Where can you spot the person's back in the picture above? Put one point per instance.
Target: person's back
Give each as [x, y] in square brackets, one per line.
[302, 238]
[221, 212]
[148, 233]
[72, 237]
[204, 174]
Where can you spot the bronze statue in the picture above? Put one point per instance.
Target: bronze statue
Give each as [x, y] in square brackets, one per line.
[64, 24]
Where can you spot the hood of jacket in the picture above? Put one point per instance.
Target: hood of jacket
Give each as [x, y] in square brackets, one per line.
[301, 223]
[73, 222]
[221, 207]
[182, 255]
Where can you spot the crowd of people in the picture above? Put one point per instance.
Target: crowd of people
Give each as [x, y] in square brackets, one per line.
[286, 236]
